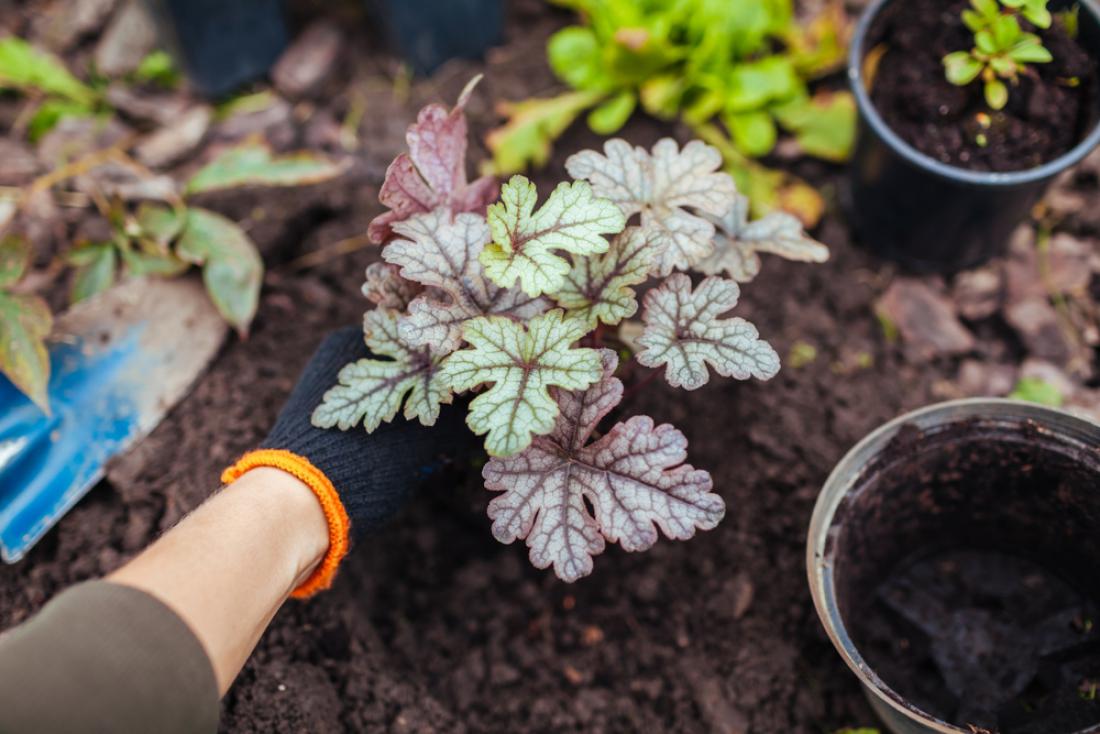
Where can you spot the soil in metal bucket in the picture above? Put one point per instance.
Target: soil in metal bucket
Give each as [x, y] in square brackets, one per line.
[987, 640]
[1050, 110]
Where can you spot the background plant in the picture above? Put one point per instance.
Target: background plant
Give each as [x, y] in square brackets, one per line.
[514, 300]
[736, 72]
[1002, 48]
[156, 229]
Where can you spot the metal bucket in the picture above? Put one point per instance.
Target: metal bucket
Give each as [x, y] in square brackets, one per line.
[865, 470]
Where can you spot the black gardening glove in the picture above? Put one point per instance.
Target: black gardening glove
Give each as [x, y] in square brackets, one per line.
[372, 474]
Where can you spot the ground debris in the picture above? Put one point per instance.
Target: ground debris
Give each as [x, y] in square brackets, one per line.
[978, 293]
[177, 140]
[924, 318]
[304, 68]
[130, 35]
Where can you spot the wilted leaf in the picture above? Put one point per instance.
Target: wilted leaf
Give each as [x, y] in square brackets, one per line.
[521, 364]
[525, 240]
[142, 261]
[441, 253]
[665, 188]
[683, 331]
[25, 322]
[253, 164]
[371, 391]
[433, 173]
[533, 125]
[15, 255]
[96, 264]
[739, 242]
[25, 68]
[385, 287]
[633, 478]
[598, 288]
[158, 224]
[231, 267]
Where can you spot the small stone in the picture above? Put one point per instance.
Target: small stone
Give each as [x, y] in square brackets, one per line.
[177, 140]
[74, 137]
[17, 162]
[1036, 323]
[1068, 264]
[978, 293]
[1051, 374]
[985, 379]
[925, 319]
[309, 62]
[62, 25]
[129, 37]
[158, 109]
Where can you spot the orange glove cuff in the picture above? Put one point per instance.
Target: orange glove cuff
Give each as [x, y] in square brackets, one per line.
[335, 514]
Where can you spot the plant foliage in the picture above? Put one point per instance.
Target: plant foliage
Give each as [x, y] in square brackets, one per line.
[744, 65]
[1002, 48]
[464, 303]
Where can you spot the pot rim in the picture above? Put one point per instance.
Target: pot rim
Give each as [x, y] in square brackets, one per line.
[848, 472]
[998, 179]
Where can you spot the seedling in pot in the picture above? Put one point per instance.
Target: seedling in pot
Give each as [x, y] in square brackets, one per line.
[513, 298]
[1002, 48]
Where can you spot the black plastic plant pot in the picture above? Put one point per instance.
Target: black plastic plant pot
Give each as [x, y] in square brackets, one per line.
[429, 32]
[954, 559]
[927, 215]
[221, 44]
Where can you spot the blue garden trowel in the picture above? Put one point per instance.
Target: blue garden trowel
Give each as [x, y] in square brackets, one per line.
[119, 361]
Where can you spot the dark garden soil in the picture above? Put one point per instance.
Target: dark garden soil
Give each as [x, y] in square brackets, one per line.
[433, 626]
[1046, 114]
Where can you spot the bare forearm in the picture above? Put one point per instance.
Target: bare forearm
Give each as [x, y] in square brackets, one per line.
[228, 567]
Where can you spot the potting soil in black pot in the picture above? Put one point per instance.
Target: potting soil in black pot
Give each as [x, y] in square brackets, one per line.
[940, 180]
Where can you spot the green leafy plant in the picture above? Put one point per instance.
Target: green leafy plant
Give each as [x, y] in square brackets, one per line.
[515, 302]
[739, 68]
[1002, 48]
[162, 237]
[1037, 390]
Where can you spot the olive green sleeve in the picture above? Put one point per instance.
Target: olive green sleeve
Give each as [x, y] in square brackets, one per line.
[102, 657]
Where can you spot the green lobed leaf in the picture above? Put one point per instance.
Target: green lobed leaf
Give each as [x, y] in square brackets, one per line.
[961, 67]
[574, 55]
[25, 322]
[597, 289]
[521, 364]
[371, 391]
[254, 164]
[684, 333]
[525, 241]
[26, 68]
[231, 267]
[996, 94]
[753, 132]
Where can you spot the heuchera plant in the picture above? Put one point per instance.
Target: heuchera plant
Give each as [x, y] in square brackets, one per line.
[1002, 49]
[510, 300]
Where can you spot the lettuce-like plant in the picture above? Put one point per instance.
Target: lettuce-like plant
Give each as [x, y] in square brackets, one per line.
[512, 302]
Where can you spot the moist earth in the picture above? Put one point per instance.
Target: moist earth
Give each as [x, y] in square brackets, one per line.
[1046, 115]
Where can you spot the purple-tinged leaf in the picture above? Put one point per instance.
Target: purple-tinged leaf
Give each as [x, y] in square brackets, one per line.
[385, 287]
[371, 391]
[670, 188]
[433, 173]
[441, 253]
[739, 242]
[633, 478]
[684, 333]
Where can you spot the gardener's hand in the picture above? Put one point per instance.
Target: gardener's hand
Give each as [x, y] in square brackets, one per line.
[360, 478]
